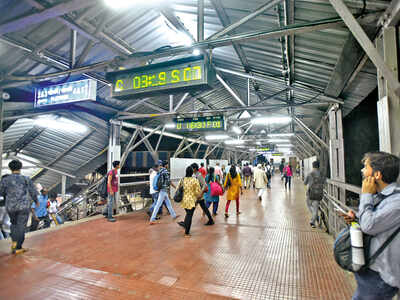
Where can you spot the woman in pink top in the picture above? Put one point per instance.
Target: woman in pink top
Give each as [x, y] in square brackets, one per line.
[287, 171]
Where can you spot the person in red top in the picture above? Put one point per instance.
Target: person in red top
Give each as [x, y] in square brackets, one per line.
[287, 171]
[112, 189]
[202, 170]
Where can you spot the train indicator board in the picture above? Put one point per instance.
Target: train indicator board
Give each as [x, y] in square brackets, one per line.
[188, 74]
[277, 154]
[212, 123]
[68, 92]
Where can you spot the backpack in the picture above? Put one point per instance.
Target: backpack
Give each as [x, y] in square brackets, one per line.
[342, 251]
[215, 187]
[316, 189]
[155, 182]
[179, 192]
[102, 186]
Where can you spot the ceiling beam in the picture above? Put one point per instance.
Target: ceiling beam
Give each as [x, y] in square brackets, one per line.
[44, 15]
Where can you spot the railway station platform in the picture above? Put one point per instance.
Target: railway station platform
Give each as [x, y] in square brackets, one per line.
[268, 252]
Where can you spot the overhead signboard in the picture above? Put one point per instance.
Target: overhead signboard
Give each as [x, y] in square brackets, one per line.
[212, 123]
[277, 154]
[68, 92]
[264, 149]
[188, 74]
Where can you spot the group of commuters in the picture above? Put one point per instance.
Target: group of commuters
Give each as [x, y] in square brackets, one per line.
[16, 207]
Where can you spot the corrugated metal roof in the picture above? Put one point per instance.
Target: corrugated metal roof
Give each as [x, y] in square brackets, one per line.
[146, 28]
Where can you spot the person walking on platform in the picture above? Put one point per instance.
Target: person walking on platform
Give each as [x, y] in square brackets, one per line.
[15, 188]
[379, 216]
[164, 183]
[287, 171]
[112, 189]
[218, 172]
[268, 172]
[203, 170]
[281, 167]
[315, 192]
[212, 177]
[233, 184]
[260, 181]
[191, 192]
[39, 212]
[154, 194]
[203, 187]
[247, 176]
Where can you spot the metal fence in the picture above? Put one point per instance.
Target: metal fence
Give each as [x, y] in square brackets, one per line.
[332, 201]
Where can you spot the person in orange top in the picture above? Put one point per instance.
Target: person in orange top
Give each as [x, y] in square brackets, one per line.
[233, 185]
[203, 170]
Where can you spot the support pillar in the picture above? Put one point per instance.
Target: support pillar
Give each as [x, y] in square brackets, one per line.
[389, 102]
[63, 187]
[336, 152]
[114, 153]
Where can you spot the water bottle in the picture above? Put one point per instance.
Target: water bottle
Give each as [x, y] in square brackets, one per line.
[357, 246]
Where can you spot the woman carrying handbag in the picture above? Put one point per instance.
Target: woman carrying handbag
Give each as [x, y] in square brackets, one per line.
[233, 186]
[191, 192]
[214, 190]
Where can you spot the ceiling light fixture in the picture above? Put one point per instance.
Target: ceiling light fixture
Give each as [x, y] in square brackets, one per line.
[170, 125]
[278, 141]
[280, 134]
[217, 137]
[271, 120]
[236, 130]
[61, 124]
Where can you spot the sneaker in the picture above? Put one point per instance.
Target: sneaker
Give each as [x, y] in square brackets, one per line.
[158, 218]
[19, 251]
[111, 220]
[226, 215]
[13, 246]
[209, 223]
[312, 225]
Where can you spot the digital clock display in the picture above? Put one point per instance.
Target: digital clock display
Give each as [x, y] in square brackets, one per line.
[213, 123]
[172, 76]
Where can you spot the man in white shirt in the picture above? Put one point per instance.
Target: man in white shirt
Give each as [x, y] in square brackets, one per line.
[154, 194]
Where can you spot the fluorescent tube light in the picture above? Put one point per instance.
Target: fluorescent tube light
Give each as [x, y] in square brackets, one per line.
[280, 134]
[278, 141]
[271, 120]
[234, 142]
[196, 52]
[217, 137]
[284, 145]
[61, 124]
[170, 125]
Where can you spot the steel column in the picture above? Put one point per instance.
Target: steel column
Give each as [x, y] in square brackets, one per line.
[1, 132]
[171, 103]
[72, 51]
[63, 187]
[389, 103]
[336, 150]
[200, 20]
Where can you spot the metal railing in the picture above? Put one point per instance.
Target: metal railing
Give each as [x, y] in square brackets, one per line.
[331, 201]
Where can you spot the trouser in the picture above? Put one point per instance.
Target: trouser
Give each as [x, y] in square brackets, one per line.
[203, 206]
[313, 207]
[155, 198]
[110, 203]
[247, 180]
[18, 219]
[162, 197]
[288, 179]
[370, 286]
[228, 202]
[260, 192]
[215, 206]
[188, 219]
[269, 182]
[35, 223]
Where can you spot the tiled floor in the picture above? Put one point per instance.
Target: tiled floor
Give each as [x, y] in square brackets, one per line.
[268, 252]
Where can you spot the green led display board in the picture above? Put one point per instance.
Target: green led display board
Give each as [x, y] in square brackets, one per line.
[212, 123]
[183, 75]
[263, 149]
[277, 154]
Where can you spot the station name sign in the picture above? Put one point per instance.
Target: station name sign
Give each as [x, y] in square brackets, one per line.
[68, 92]
[183, 75]
[212, 123]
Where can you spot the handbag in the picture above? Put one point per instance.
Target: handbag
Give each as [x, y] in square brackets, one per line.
[179, 193]
[216, 189]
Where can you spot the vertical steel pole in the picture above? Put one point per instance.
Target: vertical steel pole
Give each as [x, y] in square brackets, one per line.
[248, 92]
[73, 48]
[171, 103]
[63, 187]
[200, 20]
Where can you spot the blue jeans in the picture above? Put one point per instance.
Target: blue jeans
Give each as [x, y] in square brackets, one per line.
[215, 206]
[162, 197]
[370, 286]
[110, 205]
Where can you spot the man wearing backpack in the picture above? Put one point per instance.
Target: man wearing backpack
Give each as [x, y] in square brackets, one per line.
[379, 216]
[163, 184]
[112, 189]
[315, 192]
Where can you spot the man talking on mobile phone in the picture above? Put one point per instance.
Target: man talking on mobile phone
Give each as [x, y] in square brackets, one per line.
[379, 216]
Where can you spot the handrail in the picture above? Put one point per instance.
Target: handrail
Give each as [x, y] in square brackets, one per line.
[348, 187]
